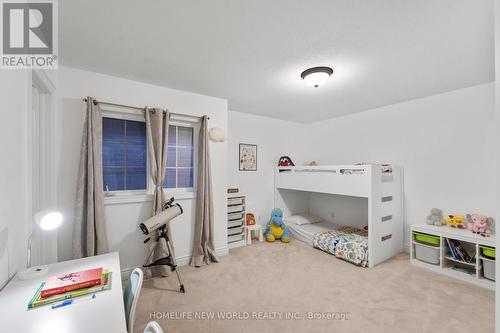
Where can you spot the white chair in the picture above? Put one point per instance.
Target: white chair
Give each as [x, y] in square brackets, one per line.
[153, 327]
[131, 296]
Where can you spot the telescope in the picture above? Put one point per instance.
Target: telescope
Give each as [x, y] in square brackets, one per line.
[158, 224]
[170, 211]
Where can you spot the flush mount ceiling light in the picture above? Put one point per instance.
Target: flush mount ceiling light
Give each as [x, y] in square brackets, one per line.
[316, 75]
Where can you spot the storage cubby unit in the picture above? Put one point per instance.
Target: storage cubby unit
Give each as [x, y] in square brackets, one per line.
[454, 252]
[236, 208]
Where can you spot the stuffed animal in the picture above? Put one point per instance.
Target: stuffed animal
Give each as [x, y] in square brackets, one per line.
[455, 221]
[285, 161]
[480, 224]
[435, 217]
[250, 219]
[275, 228]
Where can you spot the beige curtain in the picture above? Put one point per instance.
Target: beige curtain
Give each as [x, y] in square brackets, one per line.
[157, 122]
[89, 230]
[203, 245]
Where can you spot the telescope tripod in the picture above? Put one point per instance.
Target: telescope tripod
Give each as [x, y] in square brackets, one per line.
[165, 261]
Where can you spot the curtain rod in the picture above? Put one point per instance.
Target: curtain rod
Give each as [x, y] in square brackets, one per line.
[135, 107]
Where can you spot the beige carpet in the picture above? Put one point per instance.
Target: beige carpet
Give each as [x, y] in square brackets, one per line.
[297, 279]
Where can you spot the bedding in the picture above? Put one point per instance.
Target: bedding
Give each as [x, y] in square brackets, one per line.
[306, 232]
[302, 219]
[345, 242]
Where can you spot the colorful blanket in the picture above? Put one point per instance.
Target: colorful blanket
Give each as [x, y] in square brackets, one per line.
[346, 242]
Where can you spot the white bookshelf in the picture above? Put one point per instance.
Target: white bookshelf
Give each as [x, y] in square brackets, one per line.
[236, 211]
[446, 262]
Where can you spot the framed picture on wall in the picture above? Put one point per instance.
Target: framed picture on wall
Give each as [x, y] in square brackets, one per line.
[248, 157]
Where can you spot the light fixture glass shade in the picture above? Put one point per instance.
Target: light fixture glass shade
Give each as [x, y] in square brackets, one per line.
[217, 134]
[48, 220]
[316, 76]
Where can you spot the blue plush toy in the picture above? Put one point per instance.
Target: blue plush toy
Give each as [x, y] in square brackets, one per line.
[275, 228]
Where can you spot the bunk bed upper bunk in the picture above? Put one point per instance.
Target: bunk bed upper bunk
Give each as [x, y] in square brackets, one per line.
[379, 184]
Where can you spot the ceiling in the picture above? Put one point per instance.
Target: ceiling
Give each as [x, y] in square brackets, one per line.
[252, 52]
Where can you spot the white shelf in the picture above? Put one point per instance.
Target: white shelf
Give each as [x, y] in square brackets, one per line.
[236, 211]
[473, 264]
[447, 262]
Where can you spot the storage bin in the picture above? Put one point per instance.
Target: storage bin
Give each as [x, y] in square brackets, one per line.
[235, 201]
[489, 268]
[427, 253]
[426, 238]
[488, 251]
[235, 216]
[235, 223]
[234, 209]
[235, 230]
[234, 238]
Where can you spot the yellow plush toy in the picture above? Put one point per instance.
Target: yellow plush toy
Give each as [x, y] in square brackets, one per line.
[455, 221]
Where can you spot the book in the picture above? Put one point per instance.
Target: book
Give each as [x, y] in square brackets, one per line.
[452, 251]
[63, 283]
[37, 300]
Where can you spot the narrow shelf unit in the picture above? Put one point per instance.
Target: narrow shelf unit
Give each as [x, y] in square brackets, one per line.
[448, 265]
[236, 211]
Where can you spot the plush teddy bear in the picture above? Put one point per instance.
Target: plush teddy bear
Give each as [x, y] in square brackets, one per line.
[480, 224]
[275, 228]
[435, 217]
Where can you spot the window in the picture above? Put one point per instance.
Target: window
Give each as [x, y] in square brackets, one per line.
[124, 154]
[180, 159]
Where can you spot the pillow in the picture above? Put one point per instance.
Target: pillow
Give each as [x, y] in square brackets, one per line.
[302, 219]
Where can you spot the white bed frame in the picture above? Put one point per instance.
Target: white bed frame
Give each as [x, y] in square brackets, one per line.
[383, 192]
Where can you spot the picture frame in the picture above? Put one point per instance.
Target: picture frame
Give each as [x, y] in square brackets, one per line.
[247, 157]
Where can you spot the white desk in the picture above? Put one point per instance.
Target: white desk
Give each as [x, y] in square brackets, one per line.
[105, 313]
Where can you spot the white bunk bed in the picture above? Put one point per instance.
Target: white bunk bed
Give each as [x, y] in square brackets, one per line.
[354, 195]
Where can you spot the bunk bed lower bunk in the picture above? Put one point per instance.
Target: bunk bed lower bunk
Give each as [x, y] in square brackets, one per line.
[367, 202]
[342, 241]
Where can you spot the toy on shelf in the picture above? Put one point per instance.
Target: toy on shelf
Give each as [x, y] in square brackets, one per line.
[480, 224]
[436, 217]
[250, 219]
[455, 221]
[285, 161]
[275, 228]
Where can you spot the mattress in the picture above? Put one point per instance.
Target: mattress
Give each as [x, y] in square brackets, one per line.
[306, 232]
[348, 243]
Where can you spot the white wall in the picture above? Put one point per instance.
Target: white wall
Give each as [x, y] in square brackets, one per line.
[123, 219]
[444, 142]
[497, 146]
[15, 196]
[274, 138]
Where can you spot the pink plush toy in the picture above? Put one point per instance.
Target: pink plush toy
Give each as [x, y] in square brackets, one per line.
[479, 224]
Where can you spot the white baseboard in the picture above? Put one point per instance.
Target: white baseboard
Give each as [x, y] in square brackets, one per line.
[181, 261]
